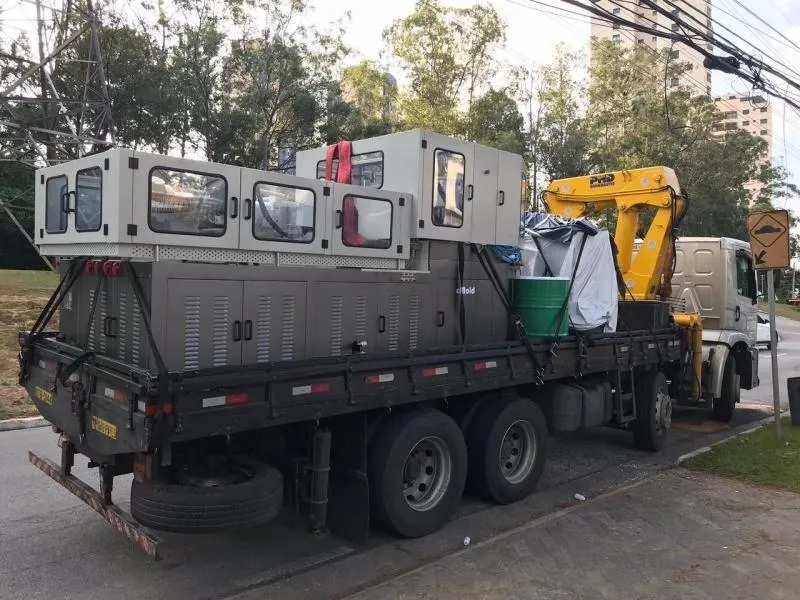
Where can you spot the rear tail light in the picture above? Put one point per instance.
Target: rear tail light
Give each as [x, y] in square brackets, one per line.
[109, 268]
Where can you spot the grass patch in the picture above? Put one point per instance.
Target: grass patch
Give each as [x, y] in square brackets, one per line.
[29, 280]
[23, 294]
[788, 311]
[757, 458]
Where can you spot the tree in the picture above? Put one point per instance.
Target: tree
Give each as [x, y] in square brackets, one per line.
[634, 121]
[371, 91]
[563, 143]
[494, 120]
[447, 54]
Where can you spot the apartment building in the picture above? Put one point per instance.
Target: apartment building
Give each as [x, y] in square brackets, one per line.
[749, 113]
[697, 79]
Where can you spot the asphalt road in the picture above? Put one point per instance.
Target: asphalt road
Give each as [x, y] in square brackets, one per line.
[54, 546]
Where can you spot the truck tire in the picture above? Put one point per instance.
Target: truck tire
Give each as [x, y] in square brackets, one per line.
[417, 470]
[206, 509]
[726, 403]
[654, 411]
[507, 447]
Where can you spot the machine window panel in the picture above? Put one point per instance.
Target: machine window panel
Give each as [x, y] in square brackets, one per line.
[366, 169]
[448, 189]
[89, 199]
[283, 213]
[187, 202]
[55, 219]
[366, 222]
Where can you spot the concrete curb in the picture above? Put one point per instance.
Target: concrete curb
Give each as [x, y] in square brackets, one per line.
[22, 423]
[756, 426]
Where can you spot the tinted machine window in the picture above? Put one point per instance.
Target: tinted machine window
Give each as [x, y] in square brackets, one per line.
[283, 214]
[55, 219]
[89, 199]
[188, 203]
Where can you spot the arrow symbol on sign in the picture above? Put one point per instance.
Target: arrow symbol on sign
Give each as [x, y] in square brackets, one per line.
[760, 257]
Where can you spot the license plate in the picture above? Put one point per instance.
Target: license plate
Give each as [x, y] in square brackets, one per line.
[104, 427]
[43, 395]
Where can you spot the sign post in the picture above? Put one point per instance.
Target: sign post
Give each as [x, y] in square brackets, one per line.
[769, 240]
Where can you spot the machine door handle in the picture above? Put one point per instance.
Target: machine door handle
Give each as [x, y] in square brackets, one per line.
[248, 209]
[248, 330]
[234, 207]
[381, 324]
[338, 219]
[737, 313]
[237, 331]
[501, 198]
[65, 199]
[440, 319]
[470, 191]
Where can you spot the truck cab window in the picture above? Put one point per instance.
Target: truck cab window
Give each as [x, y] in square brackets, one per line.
[745, 276]
[366, 222]
[55, 219]
[448, 189]
[283, 214]
[366, 169]
[188, 203]
[88, 199]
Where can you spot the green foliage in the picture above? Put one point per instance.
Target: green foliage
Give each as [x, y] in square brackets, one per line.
[494, 119]
[236, 80]
[447, 54]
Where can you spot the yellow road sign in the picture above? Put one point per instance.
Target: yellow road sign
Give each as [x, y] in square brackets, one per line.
[769, 239]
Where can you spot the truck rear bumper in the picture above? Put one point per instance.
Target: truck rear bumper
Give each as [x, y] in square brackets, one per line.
[146, 540]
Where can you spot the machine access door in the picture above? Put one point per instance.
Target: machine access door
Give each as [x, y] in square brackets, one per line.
[448, 190]
[283, 213]
[181, 202]
[370, 223]
[85, 201]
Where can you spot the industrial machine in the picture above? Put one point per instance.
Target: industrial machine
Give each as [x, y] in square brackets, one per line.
[344, 340]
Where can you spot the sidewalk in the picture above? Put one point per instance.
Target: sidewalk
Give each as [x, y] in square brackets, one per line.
[677, 535]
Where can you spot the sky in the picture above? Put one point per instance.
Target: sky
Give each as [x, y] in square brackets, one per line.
[534, 30]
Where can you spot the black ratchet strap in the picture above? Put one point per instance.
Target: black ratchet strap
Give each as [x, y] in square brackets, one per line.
[494, 278]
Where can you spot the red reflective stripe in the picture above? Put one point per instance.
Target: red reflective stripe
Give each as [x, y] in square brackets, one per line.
[382, 378]
[320, 387]
[234, 399]
[435, 371]
[489, 364]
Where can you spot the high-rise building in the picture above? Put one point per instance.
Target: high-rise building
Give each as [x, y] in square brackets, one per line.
[751, 113]
[697, 13]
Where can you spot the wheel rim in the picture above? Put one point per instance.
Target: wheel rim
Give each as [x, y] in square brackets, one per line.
[426, 473]
[518, 451]
[663, 410]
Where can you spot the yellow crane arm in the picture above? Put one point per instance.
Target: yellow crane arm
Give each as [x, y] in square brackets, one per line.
[648, 275]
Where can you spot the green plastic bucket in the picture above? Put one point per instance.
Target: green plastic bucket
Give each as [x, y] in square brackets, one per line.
[539, 302]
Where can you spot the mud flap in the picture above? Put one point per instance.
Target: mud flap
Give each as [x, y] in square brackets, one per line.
[348, 508]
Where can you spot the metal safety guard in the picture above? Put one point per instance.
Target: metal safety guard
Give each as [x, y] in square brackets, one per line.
[147, 541]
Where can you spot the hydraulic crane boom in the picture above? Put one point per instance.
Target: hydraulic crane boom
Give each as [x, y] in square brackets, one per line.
[647, 275]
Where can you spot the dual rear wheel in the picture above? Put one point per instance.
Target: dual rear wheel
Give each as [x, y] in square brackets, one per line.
[421, 461]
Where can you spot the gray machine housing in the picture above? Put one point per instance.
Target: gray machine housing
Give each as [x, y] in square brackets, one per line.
[211, 315]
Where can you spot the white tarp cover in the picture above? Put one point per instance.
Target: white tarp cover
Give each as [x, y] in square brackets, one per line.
[593, 300]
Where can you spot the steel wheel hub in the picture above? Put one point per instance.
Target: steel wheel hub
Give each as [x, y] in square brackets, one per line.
[426, 473]
[518, 452]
